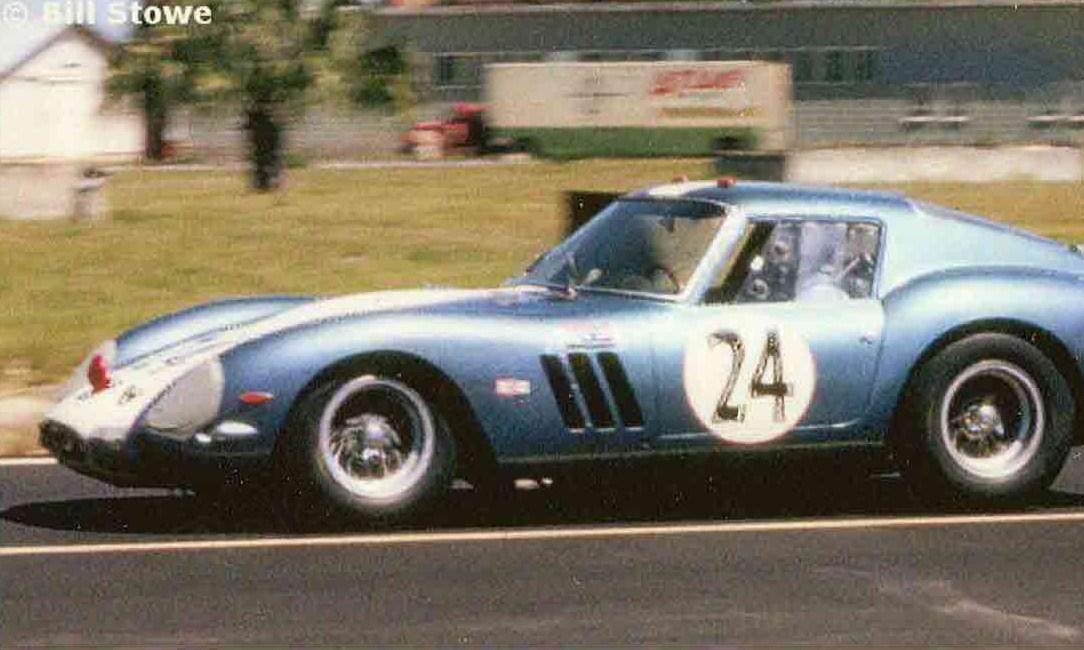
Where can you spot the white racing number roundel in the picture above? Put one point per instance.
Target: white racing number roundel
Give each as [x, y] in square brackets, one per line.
[748, 381]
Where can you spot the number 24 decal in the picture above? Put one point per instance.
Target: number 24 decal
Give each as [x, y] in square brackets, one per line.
[777, 389]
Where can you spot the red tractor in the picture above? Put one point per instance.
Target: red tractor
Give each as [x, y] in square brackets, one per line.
[462, 130]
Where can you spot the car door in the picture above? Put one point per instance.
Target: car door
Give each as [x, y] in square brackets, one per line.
[783, 346]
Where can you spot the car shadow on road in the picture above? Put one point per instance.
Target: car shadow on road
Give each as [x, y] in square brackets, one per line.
[754, 495]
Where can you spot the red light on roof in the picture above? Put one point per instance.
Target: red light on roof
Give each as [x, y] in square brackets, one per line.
[98, 374]
[726, 181]
[255, 397]
[681, 178]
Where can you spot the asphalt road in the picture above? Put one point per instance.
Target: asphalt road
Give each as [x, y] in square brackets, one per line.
[768, 555]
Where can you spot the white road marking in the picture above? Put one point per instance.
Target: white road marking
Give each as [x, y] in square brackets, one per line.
[941, 597]
[511, 535]
[23, 462]
[985, 617]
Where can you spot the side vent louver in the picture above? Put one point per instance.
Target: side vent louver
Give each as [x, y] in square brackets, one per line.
[586, 399]
[627, 406]
[562, 391]
[592, 392]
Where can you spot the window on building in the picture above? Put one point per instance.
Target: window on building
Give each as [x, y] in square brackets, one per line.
[801, 62]
[838, 65]
[472, 71]
[458, 69]
[444, 70]
[866, 66]
[834, 66]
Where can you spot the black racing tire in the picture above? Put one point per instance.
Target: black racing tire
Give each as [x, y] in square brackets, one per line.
[369, 448]
[988, 419]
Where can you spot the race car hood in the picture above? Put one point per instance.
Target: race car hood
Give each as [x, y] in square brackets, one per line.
[511, 301]
[518, 301]
[180, 340]
[224, 334]
[522, 301]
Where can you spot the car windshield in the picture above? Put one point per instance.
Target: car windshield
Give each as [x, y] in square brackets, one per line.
[650, 246]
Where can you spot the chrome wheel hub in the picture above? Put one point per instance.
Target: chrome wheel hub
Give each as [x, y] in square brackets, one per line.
[376, 437]
[981, 422]
[992, 419]
[368, 446]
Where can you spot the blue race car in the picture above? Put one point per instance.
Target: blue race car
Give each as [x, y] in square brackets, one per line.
[690, 318]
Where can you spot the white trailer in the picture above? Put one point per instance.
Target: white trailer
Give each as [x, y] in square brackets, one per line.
[641, 108]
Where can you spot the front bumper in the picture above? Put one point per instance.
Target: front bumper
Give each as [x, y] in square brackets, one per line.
[144, 459]
[105, 461]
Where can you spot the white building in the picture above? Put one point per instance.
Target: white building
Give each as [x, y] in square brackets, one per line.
[53, 104]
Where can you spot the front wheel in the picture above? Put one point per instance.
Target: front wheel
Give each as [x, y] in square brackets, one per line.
[994, 420]
[372, 448]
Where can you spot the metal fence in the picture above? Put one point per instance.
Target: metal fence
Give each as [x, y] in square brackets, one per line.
[320, 133]
[950, 114]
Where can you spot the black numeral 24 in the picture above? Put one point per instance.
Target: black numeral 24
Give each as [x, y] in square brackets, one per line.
[777, 388]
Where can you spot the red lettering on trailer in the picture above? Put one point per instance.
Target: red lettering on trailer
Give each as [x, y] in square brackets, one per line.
[677, 82]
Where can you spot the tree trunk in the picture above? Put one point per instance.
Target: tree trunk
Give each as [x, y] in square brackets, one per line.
[155, 118]
[265, 147]
[154, 138]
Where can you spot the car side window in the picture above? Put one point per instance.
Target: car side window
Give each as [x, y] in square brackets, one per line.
[780, 261]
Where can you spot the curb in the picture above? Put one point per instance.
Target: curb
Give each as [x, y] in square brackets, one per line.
[20, 412]
[25, 406]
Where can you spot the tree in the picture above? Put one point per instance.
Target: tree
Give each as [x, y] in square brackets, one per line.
[161, 66]
[264, 56]
[274, 52]
[265, 64]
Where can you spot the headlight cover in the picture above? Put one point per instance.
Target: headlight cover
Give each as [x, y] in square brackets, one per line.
[190, 403]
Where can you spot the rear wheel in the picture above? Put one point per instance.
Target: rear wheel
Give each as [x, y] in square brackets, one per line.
[994, 420]
[373, 449]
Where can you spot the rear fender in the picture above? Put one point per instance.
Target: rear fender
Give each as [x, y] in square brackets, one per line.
[925, 315]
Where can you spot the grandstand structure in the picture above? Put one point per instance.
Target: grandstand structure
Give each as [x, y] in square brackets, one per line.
[864, 72]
